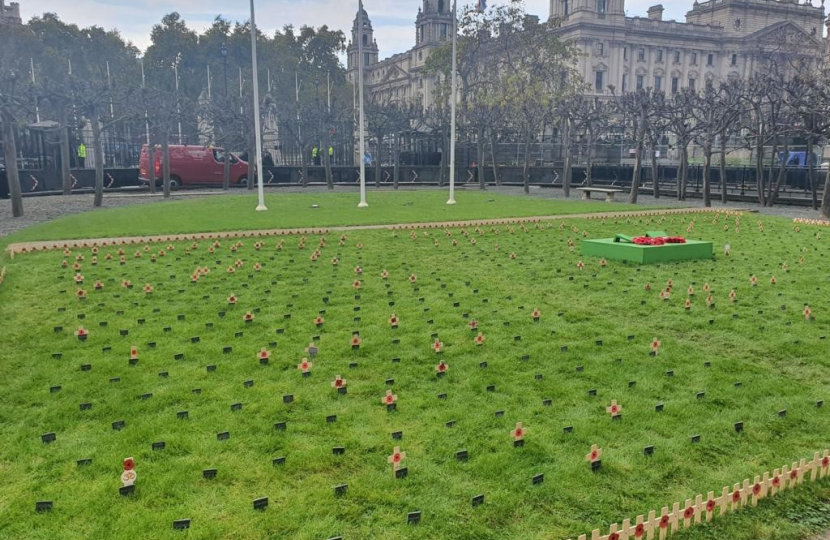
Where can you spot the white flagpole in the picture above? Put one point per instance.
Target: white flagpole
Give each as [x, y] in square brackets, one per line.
[452, 101]
[359, 37]
[37, 107]
[208, 77]
[261, 206]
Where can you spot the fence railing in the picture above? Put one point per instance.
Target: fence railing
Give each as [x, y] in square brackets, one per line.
[665, 522]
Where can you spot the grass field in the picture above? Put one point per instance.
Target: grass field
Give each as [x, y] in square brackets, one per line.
[762, 341]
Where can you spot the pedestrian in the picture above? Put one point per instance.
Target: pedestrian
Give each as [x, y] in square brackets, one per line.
[367, 158]
[331, 154]
[82, 156]
[315, 155]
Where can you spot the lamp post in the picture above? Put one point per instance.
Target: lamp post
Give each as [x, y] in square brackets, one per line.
[359, 36]
[178, 105]
[258, 153]
[223, 50]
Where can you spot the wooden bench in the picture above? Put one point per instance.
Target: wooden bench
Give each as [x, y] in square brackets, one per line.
[609, 192]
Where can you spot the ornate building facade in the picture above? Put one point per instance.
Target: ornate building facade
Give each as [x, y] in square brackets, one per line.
[717, 41]
[10, 14]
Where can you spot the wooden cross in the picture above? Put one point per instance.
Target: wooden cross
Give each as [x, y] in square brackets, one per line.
[594, 455]
[389, 398]
[396, 458]
[519, 433]
[613, 409]
[655, 345]
[338, 382]
[304, 365]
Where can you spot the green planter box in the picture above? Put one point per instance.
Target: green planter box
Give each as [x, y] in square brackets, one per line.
[609, 249]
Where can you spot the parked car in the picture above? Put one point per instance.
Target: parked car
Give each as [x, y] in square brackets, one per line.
[193, 165]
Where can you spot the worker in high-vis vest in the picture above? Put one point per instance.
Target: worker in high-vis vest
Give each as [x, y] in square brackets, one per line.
[82, 156]
[315, 155]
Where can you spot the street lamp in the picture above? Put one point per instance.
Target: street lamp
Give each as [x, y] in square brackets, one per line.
[258, 153]
[223, 50]
[176, 63]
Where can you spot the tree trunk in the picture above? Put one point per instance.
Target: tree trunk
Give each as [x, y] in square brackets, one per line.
[304, 165]
[445, 157]
[327, 160]
[378, 158]
[759, 171]
[98, 145]
[680, 178]
[12, 175]
[226, 171]
[707, 173]
[526, 172]
[638, 167]
[480, 157]
[496, 176]
[66, 173]
[811, 172]
[567, 170]
[655, 181]
[165, 160]
[825, 198]
[589, 159]
[151, 165]
[684, 173]
[396, 171]
[724, 193]
[782, 174]
[772, 169]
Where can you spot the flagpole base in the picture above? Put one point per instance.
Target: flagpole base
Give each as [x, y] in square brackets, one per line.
[451, 201]
[261, 208]
[363, 204]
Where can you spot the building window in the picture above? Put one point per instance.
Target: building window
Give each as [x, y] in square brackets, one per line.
[567, 7]
[601, 8]
[658, 83]
[625, 83]
[710, 60]
[440, 6]
[365, 40]
[694, 58]
[641, 54]
[675, 85]
[640, 82]
[443, 32]
[734, 59]
[365, 59]
[600, 49]
[709, 84]
[676, 57]
[660, 55]
[598, 83]
[625, 53]
[692, 84]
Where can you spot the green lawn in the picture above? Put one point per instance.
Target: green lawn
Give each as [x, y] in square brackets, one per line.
[762, 341]
[235, 212]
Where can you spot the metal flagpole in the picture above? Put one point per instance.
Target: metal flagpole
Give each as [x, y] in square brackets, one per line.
[359, 37]
[452, 101]
[208, 77]
[146, 116]
[37, 107]
[261, 206]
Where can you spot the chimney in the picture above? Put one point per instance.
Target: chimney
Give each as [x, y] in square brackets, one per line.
[655, 13]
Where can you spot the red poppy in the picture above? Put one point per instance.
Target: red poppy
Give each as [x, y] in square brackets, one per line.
[304, 365]
[519, 432]
[479, 339]
[356, 284]
[148, 288]
[689, 512]
[129, 464]
[639, 530]
[655, 345]
[355, 341]
[318, 321]
[248, 317]
[613, 536]
[736, 496]
[81, 332]
[384, 275]
[393, 321]
[413, 278]
[536, 314]
[776, 481]
[664, 522]
[807, 313]
[264, 354]
[98, 285]
[825, 462]
[358, 270]
[441, 367]
[580, 265]
[594, 455]
[126, 284]
[754, 281]
[338, 382]
[76, 267]
[794, 475]
[79, 278]
[389, 398]
[756, 489]
[688, 304]
[231, 299]
[710, 505]
[81, 293]
[437, 346]
[473, 324]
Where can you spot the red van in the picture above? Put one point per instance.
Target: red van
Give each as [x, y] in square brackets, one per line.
[193, 165]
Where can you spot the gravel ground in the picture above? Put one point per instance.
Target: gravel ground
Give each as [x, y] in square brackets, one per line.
[42, 209]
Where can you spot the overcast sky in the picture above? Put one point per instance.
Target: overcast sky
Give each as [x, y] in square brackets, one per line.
[393, 20]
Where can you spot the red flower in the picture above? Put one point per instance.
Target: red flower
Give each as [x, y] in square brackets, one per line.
[231, 299]
[355, 341]
[338, 382]
[807, 313]
[81, 293]
[776, 481]
[613, 536]
[473, 324]
[710, 505]
[98, 285]
[358, 270]
[318, 321]
[264, 354]
[304, 365]
[356, 284]
[393, 321]
[825, 462]
[81, 332]
[479, 339]
[689, 513]
[664, 522]
[756, 489]
[639, 530]
[688, 304]
[536, 314]
[437, 346]
[126, 284]
[129, 464]
[413, 278]
[389, 398]
[441, 367]
[794, 475]
[79, 278]
[248, 317]
[655, 345]
[736, 496]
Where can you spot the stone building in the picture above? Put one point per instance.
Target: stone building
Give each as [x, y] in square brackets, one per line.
[400, 77]
[717, 41]
[10, 14]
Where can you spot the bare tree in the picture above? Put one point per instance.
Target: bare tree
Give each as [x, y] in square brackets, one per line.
[638, 110]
